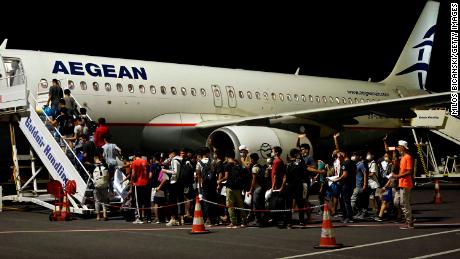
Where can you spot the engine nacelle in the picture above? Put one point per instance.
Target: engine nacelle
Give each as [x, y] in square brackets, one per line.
[257, 139]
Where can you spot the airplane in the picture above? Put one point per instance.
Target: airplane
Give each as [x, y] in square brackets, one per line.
[157, 106]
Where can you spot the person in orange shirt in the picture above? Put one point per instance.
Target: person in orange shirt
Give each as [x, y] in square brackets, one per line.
[405, 182]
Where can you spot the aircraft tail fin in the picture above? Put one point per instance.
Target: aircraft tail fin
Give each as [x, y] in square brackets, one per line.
[411, 68]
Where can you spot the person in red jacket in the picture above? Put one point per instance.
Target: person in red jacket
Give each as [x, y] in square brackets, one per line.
[99, 134]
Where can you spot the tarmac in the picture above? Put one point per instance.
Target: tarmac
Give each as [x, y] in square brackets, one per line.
[26, 232]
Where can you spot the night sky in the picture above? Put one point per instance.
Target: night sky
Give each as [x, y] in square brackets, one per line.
[347, 40]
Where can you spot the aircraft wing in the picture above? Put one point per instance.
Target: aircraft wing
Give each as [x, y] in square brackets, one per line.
[342, 114]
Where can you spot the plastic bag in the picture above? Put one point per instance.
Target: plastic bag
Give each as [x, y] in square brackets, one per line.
[248, 199]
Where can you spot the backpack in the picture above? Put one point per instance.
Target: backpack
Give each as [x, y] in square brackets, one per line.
[295, 172]
[101, 176]
[208, 174]
[92, 125]
[238, 177]
[66, 125]
[261, 177]
[187, 172]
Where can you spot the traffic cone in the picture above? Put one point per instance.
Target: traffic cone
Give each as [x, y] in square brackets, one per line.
[327, 239]
[437, 194]
[198, 222]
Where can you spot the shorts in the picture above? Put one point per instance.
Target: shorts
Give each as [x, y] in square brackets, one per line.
[388, 195]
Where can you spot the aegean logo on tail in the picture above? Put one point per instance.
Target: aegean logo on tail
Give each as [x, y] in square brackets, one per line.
[103, 70]
[420, 66]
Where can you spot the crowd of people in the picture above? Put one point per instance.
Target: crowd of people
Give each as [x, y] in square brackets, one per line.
[167, 183]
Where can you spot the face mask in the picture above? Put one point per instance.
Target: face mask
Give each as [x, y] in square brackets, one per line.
[369, 157]
[273, 154]
[353, 158]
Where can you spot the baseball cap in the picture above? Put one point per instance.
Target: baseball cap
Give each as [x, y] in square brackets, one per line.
[403, 144]
[243, 147]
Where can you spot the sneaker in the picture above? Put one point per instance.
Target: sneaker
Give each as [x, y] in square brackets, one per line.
[378, 219]
[232, 226]
[149, 222]
[172, 222]
[157, 222]
[408, 226]
[345, 221]
[138, 221]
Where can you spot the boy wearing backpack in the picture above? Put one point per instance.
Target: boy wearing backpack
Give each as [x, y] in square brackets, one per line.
[257, 189]
[234, 177]
[207, 184]
[101, 183]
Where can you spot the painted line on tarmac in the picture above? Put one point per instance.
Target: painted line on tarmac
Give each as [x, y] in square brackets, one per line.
[97, 230]
[371, 244]
[441, 253]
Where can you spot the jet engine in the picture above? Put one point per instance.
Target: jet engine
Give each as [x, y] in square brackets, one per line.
[257, 139]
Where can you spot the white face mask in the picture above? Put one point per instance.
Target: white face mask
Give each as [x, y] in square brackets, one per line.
[353, 158]
[273, 154]
[369, 157]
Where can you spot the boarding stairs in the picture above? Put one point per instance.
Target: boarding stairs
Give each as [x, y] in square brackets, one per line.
[440, 122]
[55, 154]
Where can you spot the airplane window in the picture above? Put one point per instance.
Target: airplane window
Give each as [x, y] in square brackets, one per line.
[83, 85]
[249, 94]
[231, 94]
[288, 97]
[273, 96]
[324, 99]
[43, 83]
[163, 89]
[173, 90]
[367, 100]
[71, 84]
[266, 96]
[153, 90]
[373, 100]
[304, 98]
[257, 95]
[130, 88]
[337, 100]
[281, 96]
[193, 91]
[350, 101]
[356, 100]
[108, 87]
[216, 92]
[241, 94]
[344, 100]
[310, 97]
[119, 87]
[331, 99]
[362, 100]
[317, 99]
[203, 92]
[183, 91]
[296, 97]
[95, 86]
[142, 89]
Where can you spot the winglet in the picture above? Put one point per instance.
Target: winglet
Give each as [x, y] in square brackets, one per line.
[3, 46]
[297, 71]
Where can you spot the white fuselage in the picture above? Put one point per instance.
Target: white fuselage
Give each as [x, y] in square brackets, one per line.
[137, 115]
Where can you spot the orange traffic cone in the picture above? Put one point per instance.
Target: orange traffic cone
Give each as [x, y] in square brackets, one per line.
[327, 239]
[437, 193]
[198, 222]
